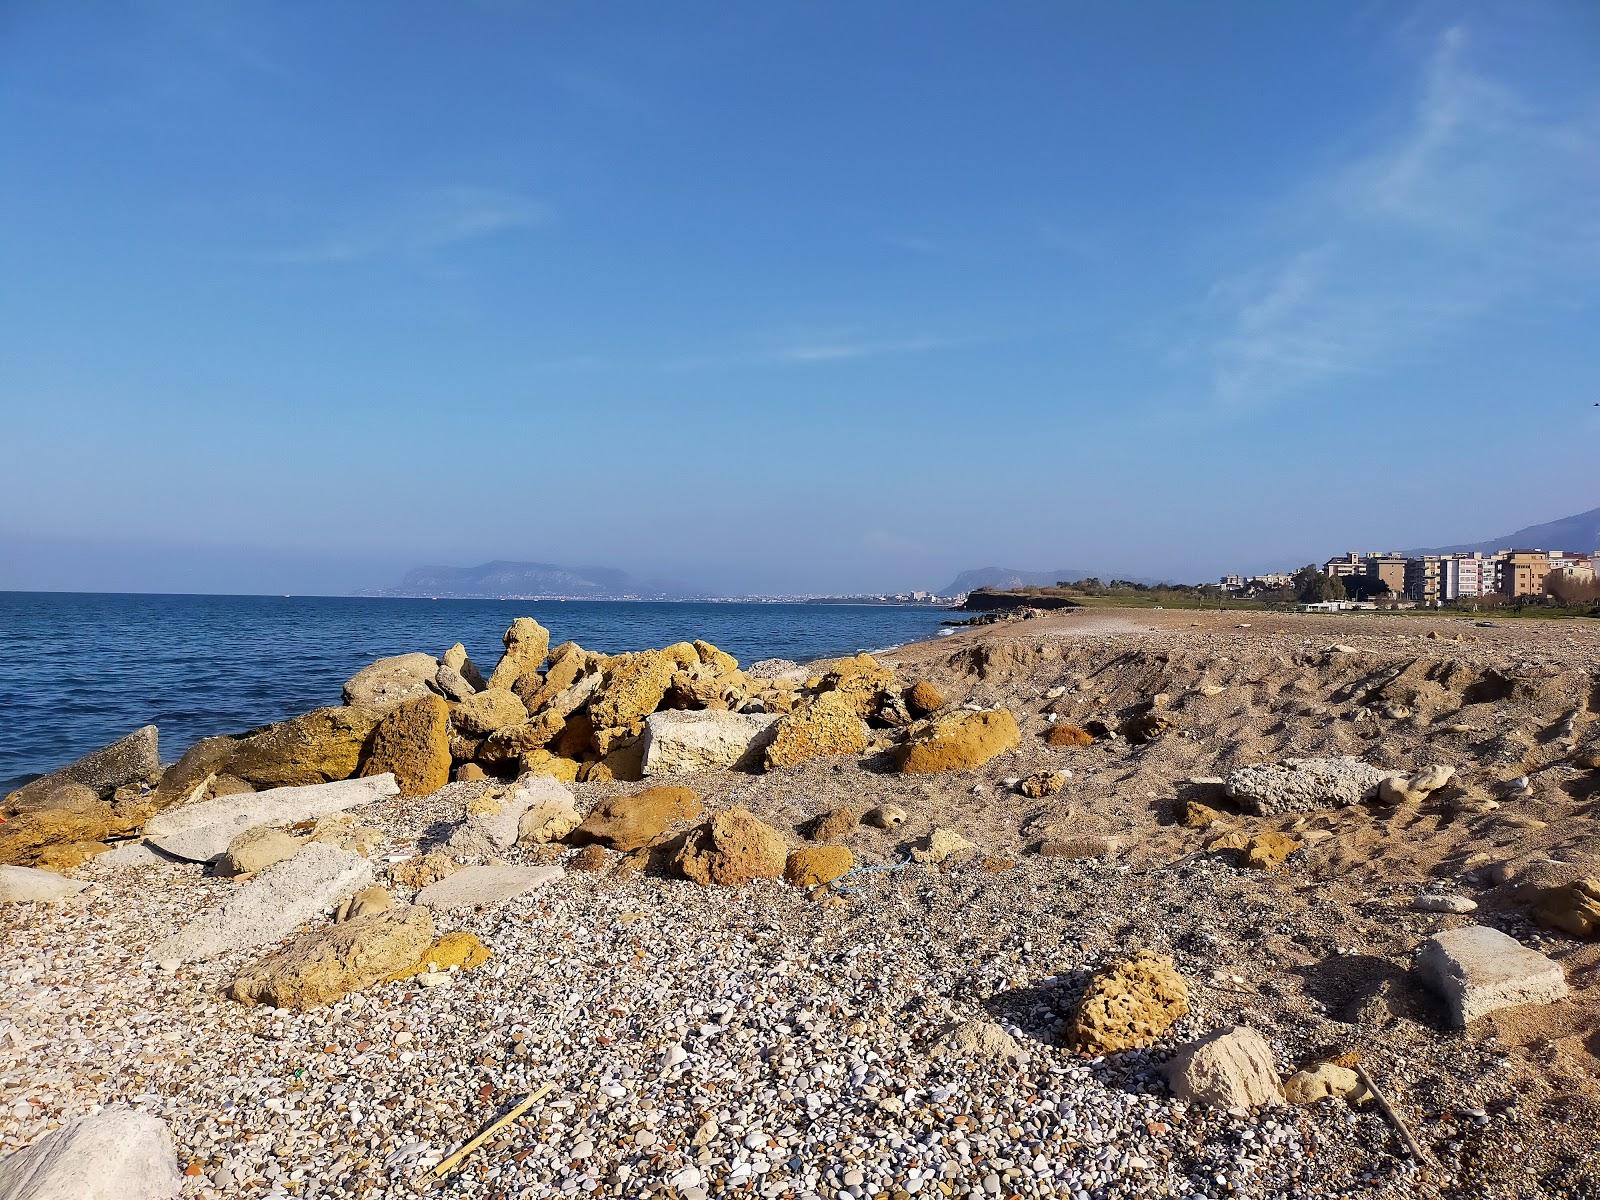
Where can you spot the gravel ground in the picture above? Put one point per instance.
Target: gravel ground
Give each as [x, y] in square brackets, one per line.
[765, 1042]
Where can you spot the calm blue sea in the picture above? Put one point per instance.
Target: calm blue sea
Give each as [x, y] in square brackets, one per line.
[80, 670]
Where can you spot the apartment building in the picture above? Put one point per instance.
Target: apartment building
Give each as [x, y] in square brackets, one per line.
[1424, 579]
[1522, 572]
[1344, 568]
[1463, 575]
[1389, 569]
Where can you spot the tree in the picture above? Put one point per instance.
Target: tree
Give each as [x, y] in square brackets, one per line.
[1311, 586]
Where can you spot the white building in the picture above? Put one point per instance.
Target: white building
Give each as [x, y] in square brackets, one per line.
[1467, 575]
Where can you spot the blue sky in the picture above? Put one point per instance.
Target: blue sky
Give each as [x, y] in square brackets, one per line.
[787, 296]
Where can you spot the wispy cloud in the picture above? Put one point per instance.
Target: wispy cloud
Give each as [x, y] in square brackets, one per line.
[1479, 197]
[813, 350]
[422, 224]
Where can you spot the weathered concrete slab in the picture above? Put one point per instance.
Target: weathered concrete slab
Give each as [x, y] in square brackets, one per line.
[1478, 970]
[19, 884]
[271, 905]
[700, 740]
[472, 887]
[201, 832]
[116, 1154]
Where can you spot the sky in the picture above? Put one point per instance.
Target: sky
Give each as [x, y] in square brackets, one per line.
[787, 296]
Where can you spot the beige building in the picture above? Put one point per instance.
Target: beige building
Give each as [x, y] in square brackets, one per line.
[1389, 569]
[1522, 572]
[1344, 568]
[1424, 579]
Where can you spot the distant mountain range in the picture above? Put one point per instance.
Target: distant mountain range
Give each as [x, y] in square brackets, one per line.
[532, 581]
[1580, 533]
[1009, 577]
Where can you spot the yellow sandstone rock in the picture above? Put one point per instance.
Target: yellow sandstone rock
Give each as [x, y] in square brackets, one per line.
[413, 741]
[526, 642]
[830, 724]
[1128, 1005]
[813, 866]
[320, 746]
[1064, 734]
[731, 849]
[959, 742]
[923, 699]
[632, 822]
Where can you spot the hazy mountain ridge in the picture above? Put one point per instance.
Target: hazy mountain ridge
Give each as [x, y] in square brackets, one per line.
[1579, 532]
[525, 580]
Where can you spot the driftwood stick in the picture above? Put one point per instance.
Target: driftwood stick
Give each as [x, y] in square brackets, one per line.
[492, 1128]
[1413, 1147]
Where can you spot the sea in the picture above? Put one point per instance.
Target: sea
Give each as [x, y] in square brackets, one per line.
[80, 670]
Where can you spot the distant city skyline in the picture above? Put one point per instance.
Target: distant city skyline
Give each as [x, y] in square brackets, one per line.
[791, 297]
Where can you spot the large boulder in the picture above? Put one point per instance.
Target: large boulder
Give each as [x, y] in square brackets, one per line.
[681, 741]
[829, 725]
[482, 713]
[29, 884]
[860, 681]
[569, 663]
[273, 904]
[1231, 1068]
[633, 687]
[59, 840]
[731, 849]
[201, 832]
[412, 743]
[632, 822]
[474, 887]
[58, 795]
[325, 964]
[1304, 785]
[1478, 970]
[959, 742]
[391, 681]
[526, 642]
[131, 759]
[194, 775]
[1128, 1004]
[457, 660]
[116, 1154]
[320, 746]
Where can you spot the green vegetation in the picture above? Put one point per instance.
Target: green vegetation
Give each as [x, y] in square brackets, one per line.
[1117, 593]
[1309, 585]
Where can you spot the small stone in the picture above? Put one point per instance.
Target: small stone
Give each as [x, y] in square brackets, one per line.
[1232, 1069]
[886, 816]
[977, 1041]
[834, 824]
[1041, 784]
[1128, 1004]
[813, 866]
[1436, 903]
[1325, 1081]
[940, 846]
